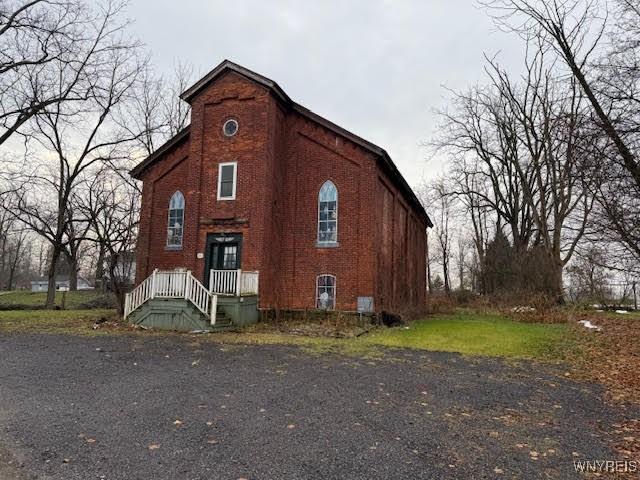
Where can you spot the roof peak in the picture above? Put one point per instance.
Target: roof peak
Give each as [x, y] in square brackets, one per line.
[228, 65]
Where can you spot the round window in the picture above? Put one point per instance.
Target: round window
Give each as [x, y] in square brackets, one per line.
[230, 128]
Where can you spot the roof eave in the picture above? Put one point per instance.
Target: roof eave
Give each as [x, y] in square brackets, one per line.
[137, 171]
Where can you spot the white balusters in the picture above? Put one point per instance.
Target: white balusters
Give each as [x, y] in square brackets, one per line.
[168, 284]
[233, 282]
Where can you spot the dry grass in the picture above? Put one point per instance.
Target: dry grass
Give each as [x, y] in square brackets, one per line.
[81, 299]
[77, 322]
[612, 357]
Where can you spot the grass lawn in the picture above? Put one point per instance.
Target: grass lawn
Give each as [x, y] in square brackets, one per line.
[478, 334]
[37, 299]
[52, 321]
[465, 332]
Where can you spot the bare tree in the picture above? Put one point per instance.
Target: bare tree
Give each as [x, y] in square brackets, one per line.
[70, 138]
[441, 205]
[462, 261]
[156, 108]
[110, 205]
[50, 52]
[576, 31]
[519, 151]
[553, 132]
[176, 111]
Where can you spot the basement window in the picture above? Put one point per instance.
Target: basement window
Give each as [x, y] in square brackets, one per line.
[227, 180]
[326, 292]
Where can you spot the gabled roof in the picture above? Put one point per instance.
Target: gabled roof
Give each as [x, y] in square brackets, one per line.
[226, 66]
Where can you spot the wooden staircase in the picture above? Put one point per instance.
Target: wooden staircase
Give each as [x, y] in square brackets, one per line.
[175, 300]
[177, 314]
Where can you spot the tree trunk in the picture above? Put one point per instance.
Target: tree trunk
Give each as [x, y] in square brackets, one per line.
[14, 263]
[558, 286]
[3, 253]
[73, 275]
[116, 284]
[51, 287]
[100, 268]
[445, 272]
[11, 274]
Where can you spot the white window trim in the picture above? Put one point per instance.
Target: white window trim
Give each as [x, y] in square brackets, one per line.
[327, 242]
[235, 180]
[335, 290]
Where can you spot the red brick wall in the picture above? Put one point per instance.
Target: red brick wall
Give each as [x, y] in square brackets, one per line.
[283, 160]
[161, 181]
[401, 256]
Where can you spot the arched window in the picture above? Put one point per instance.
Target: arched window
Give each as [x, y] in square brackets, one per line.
[326, 292]
[175, 223]
[328, 213]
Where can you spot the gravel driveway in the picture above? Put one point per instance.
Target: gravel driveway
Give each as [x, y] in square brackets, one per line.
[177, 407]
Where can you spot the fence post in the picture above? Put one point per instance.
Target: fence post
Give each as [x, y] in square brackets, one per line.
[635, 297]
[186, 283]
[238, 283]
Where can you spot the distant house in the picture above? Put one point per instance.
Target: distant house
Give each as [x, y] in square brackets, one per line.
[125, 270]
[41, 284]
[126, 267]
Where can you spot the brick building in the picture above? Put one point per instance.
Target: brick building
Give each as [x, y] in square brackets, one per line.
[259, 183]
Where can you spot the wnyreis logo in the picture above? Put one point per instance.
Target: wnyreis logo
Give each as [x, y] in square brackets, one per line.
[606, 466]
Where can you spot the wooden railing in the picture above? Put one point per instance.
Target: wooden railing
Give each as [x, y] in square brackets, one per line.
[223, 282]
[233, 282]
[138, 296]
[172, 284]
[249, 283]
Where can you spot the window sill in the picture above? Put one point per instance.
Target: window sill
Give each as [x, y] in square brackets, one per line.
[173, 247]
[327, 244]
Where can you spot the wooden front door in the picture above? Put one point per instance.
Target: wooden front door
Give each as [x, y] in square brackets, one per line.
[224, 252]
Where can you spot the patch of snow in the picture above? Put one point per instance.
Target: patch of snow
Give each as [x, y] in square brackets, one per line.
[621, 311]
[589, 325]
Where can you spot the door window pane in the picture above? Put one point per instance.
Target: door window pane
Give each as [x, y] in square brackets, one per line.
[230, 257]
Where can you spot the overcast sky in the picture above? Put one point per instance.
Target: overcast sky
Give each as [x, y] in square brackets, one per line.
[376, 67]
